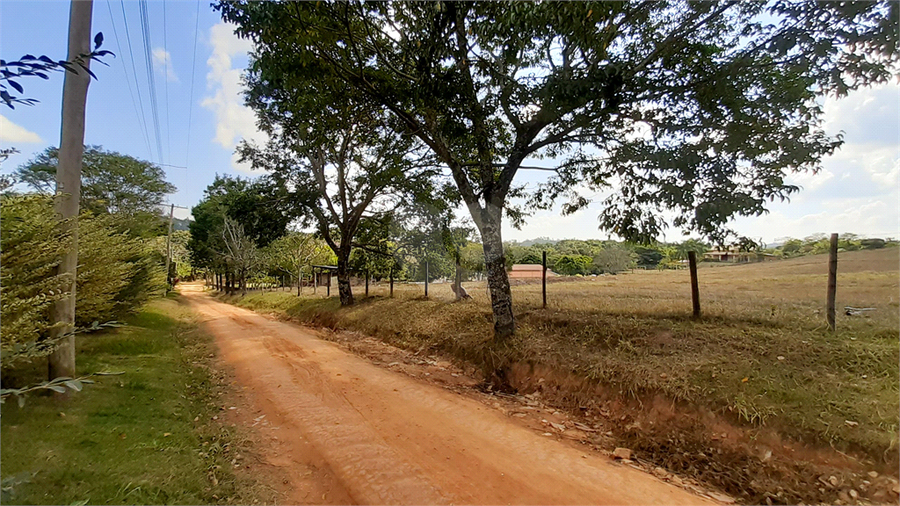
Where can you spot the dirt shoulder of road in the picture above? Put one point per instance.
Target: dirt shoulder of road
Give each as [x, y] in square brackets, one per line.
[683, 442]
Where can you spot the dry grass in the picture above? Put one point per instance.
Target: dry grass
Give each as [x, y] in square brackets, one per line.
[761, 354]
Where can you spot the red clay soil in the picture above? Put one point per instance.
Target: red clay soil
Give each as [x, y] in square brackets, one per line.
[387, 438]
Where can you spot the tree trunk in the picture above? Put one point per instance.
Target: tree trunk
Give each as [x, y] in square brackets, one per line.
[299, 282]
[68, 184]
[243, 284]
[498, 279]
[343, 274]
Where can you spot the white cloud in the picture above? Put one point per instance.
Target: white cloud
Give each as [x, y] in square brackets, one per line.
[11, 132]
[234, 121]
[810, 181]
[162, 62]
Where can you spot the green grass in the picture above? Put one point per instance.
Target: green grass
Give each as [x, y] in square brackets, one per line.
[129, 439]
[632, 333]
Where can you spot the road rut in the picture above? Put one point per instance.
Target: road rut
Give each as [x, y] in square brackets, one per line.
[392, 439]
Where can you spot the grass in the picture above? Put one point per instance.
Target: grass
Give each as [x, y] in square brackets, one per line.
[145, 437]
[761, 354]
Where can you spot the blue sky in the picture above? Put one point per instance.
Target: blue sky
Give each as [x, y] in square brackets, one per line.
[857, 191]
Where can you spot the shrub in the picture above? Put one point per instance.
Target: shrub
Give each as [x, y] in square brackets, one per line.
[32, 242]
[117, 272]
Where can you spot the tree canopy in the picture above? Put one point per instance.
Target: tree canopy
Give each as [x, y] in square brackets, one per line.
[110, 182]
[235, 218]
[700, 109]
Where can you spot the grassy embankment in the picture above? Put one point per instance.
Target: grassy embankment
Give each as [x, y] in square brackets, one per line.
[761, 355]
[145, 437]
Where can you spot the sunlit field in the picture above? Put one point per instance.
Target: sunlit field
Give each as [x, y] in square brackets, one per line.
[761, 352]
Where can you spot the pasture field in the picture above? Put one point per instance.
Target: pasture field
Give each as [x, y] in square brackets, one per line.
[761, 355]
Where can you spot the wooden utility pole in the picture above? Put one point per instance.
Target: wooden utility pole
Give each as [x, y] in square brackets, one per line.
[695, 286]
[832, 281]
[169, 247]
[68, 182]
[544, 277]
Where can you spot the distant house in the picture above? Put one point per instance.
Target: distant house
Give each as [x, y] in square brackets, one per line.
[735, 256]
[528, 271]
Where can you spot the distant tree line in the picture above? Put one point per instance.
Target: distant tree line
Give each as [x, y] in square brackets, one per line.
[817, 244]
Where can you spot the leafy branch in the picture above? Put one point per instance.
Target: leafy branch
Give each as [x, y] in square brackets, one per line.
[58, 385]
[22, 351]
[40, 66]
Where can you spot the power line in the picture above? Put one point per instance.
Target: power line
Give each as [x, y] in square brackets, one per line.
[193, 70]
[148, 54]
[168, 62]
[136, 84]
[127, 80]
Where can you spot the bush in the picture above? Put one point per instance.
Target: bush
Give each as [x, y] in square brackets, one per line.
[570, 265]
[32, 243]
[117, 272]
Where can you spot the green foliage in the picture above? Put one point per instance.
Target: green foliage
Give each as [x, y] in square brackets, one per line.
[818, 244]
[647, 256]
[701, 108]
[472, 257]
[111, 446]
[294, 252]
[614, 258]
[117, 272]
[250, 204]
[32, 242]
[606, 256]
[181, 255]
[572, 265]
[11, 72]
[110, 182]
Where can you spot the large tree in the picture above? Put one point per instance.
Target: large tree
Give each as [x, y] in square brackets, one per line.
[344, 170]
[702, 108]
[254, 205]
[110, 182]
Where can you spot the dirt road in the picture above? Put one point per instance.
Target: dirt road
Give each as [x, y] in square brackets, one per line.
[391, 439]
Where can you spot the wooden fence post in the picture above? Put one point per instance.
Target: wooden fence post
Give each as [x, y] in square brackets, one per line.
[458, 279]
[695, 286]
[832, 280]
[544, 278]
[426, 279]
[391, 275]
